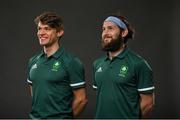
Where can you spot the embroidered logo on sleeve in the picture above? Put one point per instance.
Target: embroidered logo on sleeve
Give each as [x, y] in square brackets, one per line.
[56, 66]
[123, 71]
[34, 66]
[99, 69]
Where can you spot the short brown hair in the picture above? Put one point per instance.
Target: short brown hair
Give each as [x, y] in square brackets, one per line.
[50, 18]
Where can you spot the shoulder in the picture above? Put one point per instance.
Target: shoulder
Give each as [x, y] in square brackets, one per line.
[34, 58]
[137, 60]
[71, 59]
[135, 56]
[99, 60]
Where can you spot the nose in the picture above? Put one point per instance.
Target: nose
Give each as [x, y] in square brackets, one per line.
[105, 32]
[41, 32]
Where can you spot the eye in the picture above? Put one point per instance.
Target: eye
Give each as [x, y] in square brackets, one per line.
[110, 28]
[38, 28]
[103, 28]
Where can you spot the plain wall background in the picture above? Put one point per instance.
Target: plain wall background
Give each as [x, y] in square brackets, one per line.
[156, 39]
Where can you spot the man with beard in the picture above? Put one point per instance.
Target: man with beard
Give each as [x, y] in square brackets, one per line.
[56, 78]
[123, 79]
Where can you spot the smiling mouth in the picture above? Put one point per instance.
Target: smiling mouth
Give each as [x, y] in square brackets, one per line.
[106, 39]
[42, 38]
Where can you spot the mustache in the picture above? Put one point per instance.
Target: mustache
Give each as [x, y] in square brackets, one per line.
[107, 36]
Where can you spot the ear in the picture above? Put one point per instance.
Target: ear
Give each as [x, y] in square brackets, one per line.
[125, 32]
[60, 33]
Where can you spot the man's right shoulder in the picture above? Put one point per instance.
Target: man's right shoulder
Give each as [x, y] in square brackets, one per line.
[34, 58]
[99, 60]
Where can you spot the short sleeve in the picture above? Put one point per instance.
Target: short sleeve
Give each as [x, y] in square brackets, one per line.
[145, 82]
[29, 67]
[76, 73]
[94, 81]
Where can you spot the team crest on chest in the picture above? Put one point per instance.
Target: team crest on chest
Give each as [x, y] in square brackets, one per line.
[56, 66]
[123, 71]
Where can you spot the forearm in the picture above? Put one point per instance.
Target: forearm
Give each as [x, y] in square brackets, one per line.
[146, 109]
[146, 104]
[30, 90]
[78, 106]
[79, 101]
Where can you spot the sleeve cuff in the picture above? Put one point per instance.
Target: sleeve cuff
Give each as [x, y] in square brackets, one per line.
[146, 89]
[77, 85]
[30, 82]
[95, 87]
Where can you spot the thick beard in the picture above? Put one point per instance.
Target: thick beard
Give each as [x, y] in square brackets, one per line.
[113, 46]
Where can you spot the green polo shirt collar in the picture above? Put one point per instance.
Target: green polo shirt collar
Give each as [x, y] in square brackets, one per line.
[120, 56]
[56, 55]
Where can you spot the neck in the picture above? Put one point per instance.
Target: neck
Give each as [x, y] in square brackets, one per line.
[117, 52]
[51, 49]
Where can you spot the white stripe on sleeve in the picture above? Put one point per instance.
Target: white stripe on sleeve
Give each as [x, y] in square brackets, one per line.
[77, 84]
[29, 81]
[146, 89]
[95, 87]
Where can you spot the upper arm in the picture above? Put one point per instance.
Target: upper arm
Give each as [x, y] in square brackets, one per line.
[97, 67]
[94, 82]
[79, 93]
[76, 73]
[30, 89]
[147, 98]
[144, 74]
[29, 81]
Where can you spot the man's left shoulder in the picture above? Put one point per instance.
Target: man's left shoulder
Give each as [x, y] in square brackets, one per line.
[140, 61]
[70, 58]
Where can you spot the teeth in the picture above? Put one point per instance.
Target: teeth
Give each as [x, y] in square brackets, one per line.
[42, 38]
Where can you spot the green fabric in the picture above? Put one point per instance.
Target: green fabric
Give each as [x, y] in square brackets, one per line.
[119, 82]
[53, 80]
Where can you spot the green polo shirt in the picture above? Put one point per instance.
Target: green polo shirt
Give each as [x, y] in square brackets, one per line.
[119, 83]
[53, 80]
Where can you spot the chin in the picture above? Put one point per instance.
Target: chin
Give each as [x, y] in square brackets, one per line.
[43, 42]
[107, 41]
